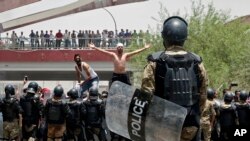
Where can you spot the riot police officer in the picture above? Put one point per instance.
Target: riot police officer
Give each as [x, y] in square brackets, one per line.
[227, 117]
[177, 75]
[11, 111]
[56, 112]
[93, 117]
[211, 96]
[243, 110]
[32, 114]
[208, 115]
[33, 85]
[75, 126]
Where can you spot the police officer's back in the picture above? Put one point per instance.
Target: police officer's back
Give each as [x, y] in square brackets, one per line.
[56, 112]
[243, 110]
[75, 124]
[32, 113]
[94, 114]
[208, 115]
[177, 75]
[227, 117]
[11, 111]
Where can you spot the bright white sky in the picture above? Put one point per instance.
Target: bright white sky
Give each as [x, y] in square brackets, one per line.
[130, 16]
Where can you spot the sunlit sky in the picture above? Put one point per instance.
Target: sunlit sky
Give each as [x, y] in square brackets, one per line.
[129, 16]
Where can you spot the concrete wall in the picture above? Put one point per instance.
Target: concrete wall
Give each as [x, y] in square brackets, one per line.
[11, 4]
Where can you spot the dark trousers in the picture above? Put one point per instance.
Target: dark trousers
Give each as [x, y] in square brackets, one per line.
[121, 77]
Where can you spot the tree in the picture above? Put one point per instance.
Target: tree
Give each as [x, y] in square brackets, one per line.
[223, 45]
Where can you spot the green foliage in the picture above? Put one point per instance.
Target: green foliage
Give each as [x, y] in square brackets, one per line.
[224, 46]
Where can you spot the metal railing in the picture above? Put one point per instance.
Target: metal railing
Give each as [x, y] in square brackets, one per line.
[72, 43]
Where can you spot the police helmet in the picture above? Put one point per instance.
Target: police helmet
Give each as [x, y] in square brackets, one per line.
[228, 97]
[243, 95]
[93, 94]
[31, 91]
[105, 94]
[9, 89]
[33, 85]
[58, 91]
[210, 93]
[73, 93]
[174, 31]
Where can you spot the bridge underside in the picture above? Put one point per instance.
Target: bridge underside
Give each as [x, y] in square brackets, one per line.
[51, 71]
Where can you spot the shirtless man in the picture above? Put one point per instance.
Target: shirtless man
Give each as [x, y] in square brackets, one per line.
[119, 60]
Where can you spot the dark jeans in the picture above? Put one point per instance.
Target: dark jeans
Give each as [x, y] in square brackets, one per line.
[121, 77]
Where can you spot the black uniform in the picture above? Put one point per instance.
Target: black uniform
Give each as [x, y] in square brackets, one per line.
[75, 126]
[93, 119]
[32, 113]
[10, 108]
[227, 118]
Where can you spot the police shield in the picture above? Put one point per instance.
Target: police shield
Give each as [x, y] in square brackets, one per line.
[138, 118]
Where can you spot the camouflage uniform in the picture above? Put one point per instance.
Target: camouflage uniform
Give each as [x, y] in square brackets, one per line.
[56, 112]
[11, 129]
[148, 84]
[207, 119]
[11, 111]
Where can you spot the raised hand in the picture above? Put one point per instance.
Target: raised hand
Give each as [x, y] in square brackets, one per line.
[147, 46]
[91, 45]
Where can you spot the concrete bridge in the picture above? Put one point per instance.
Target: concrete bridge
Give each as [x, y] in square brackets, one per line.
[51, 64]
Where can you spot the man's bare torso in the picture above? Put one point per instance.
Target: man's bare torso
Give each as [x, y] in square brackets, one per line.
[120, 63]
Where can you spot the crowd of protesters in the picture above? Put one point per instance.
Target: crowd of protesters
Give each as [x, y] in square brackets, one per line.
[66, 39]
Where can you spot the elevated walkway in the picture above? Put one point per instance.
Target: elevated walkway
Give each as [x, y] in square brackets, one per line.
[51, 64]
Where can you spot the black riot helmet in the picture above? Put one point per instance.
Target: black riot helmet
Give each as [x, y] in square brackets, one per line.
[228, 97]
[105, 94]
[93, 94]
[210, 93]
[58, 91]
[33, 85]
[174, 31]
[73, 93]
[31, 91]
[243, 95]
[9, 90]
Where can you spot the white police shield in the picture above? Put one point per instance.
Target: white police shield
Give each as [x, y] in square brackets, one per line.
[133, 117]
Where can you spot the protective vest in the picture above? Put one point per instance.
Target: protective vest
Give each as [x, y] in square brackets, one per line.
[31, 111]
[55, 113]
[177, 78]
[10, 109]
[75, 109]
[243, 112]
[93, 117]
[227, 116]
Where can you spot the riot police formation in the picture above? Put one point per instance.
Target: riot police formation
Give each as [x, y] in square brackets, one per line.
[32, 113]
[177, 76]
[93, 118]
[56, 112]
[11, 111]
[75, 125]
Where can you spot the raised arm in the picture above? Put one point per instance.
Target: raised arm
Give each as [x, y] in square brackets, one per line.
[91, 45]
[129, 54]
